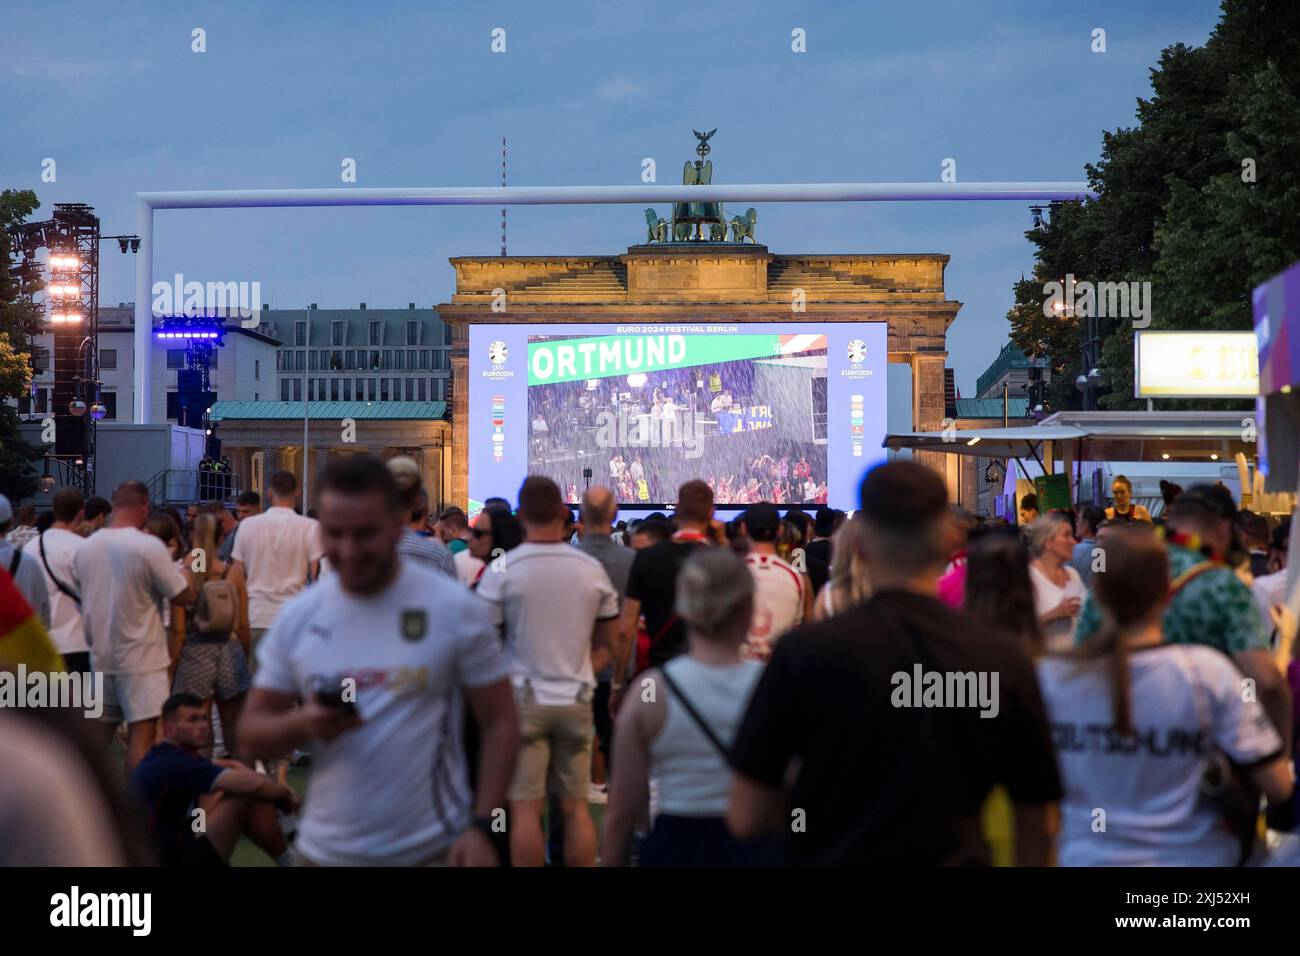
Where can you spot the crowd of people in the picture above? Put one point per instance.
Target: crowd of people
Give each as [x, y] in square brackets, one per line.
[781, 688]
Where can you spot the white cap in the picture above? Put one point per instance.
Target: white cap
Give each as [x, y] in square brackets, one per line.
[6, 510]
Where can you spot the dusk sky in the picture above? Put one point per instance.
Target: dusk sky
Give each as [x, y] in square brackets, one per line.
[1011, 90]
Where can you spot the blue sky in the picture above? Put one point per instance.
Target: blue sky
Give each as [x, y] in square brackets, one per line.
[585, 91]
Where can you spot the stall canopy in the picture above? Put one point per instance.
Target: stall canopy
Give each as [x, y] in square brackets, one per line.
[1101, 436]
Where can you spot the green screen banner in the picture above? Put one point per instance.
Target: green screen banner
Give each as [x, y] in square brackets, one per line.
[606, 356]
[1053, 492]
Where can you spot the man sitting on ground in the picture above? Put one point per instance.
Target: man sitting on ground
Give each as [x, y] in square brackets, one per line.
[180, 787]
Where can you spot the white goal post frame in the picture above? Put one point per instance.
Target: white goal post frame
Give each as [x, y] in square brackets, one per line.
[149, 202]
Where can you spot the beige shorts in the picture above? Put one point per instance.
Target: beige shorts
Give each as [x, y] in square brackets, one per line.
[554, 750]
[135, 697]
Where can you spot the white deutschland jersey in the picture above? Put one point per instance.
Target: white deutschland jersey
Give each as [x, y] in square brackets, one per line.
[778, 603]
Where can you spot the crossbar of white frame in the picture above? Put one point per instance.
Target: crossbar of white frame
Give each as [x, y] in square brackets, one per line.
[148, 202]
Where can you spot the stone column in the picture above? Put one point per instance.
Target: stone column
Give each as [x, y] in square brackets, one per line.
[460, 422]
[928, 409]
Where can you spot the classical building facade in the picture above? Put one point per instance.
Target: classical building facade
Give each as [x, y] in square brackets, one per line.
[693, 282]
[263, 437]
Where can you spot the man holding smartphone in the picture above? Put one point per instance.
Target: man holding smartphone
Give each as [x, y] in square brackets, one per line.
[382, 655]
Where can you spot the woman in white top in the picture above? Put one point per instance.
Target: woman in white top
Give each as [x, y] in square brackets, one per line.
[1058, 589]
[1137, 723]
[676, 722]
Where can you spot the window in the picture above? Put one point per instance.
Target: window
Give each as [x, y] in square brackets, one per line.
[257, 370]
[337, 333]
[424, 358]
[388, 358]
[420, 390]
[300, 333]
[412, 333]
[347, 389]
[297, 390]
[175, 358]
[361, 389]
[215, 352]
[314, 361]
[108, 359]
[311, 390]
[446, 334]
[299, 361]
[284, 390]
[374, 334]
[110, 402]
[320, 389]
[383, 389]
[334, 390]
[350, 359]
[256, 397]
[374, 360]
[336, 360]
[435, 389]
[173, 406]
[410, 389]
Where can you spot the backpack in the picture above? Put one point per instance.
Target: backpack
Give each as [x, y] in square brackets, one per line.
[214, 612]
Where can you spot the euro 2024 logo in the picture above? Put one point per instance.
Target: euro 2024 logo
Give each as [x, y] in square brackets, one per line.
[857, 351]
[498, 353]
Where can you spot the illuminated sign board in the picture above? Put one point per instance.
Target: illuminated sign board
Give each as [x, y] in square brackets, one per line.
[1195, 365]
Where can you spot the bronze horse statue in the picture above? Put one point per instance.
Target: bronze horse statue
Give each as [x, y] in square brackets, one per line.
[656, 228]
[742, 226]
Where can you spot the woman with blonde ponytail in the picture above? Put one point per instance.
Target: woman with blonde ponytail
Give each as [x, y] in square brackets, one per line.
[1137, 721]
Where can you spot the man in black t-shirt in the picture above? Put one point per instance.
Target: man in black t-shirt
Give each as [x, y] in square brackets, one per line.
[652, 586]
[175, 782]
[902, 713]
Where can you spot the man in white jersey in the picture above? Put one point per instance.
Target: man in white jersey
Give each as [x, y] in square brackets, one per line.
[383, 655]
[782, 597]
[559, 614]
[276, 553]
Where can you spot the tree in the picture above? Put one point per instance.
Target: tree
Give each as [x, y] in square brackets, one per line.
[1180, 206]
[20, 318]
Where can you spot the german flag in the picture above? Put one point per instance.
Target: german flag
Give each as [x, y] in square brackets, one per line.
[23, 639]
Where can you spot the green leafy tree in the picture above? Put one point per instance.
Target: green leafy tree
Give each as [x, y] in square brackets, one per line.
[20, 319]
[1201, 199]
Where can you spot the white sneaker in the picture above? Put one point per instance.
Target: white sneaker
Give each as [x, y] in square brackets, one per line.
[598, 793]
